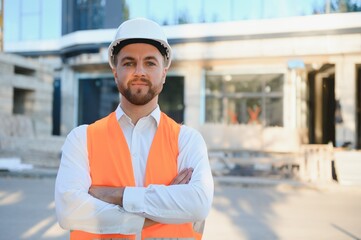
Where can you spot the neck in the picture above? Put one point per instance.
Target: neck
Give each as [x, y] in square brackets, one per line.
[136, 112]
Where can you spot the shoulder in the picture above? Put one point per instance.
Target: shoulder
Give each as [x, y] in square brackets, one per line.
[77, 134]
[76, 139]
[79, 130]
[189, 135]
[186, 130]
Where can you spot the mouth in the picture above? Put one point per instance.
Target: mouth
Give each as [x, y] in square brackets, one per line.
[139, 84]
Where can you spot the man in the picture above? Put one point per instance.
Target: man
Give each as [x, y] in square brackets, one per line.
[135, 172]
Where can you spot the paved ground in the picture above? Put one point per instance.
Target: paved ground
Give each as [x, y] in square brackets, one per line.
[257, 212]
[285, 212]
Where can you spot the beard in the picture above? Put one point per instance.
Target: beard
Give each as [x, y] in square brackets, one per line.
[136, 96]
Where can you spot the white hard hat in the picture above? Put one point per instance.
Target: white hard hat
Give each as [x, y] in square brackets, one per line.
[140, 30]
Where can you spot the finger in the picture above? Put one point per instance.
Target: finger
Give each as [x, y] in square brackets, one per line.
[178, 177]
[183, 171]
[92, 191]
[184, 177]
[187, 178]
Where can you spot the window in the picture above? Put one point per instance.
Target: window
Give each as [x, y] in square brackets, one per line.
[104, 98]
[26, 20]
[244, 99]
[23, 101]
[89, 14]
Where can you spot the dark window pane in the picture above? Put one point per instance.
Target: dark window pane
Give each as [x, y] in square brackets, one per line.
[245, 99]
[213, 85]
[274, 84]
[274, 112]
[213, 110]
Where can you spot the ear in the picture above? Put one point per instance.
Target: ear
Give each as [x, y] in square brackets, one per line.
[115, 74]
[164, 75]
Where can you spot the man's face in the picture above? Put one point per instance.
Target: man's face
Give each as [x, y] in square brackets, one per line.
[139, 73]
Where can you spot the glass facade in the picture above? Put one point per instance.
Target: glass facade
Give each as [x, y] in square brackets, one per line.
[26, 20]
[172, 12]
[92, 14]
[47, 19]
[244, 99]
[88, 14]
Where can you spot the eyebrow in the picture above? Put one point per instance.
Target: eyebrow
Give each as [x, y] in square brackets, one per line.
[151, 58]
[128, 58]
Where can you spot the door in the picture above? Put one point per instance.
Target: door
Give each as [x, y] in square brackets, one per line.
[328, 109]
[321, 105]
[97, 98]
[171, 99]
[358, 107]
[56, 115]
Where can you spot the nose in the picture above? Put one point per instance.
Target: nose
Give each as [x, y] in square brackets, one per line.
[139, 70]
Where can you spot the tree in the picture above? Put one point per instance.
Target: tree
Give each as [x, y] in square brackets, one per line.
[345, 6]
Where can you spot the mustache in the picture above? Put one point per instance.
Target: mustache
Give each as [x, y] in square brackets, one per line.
[145, 80]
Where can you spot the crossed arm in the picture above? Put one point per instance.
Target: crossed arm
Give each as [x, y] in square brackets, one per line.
[81, 206]
[114, 195]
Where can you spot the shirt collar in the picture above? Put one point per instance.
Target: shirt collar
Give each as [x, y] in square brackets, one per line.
[155, 113]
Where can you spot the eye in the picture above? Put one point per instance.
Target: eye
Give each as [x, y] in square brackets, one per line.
[150, 63]
[128, 64]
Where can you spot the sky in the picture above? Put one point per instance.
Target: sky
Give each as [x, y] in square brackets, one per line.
[41, 19]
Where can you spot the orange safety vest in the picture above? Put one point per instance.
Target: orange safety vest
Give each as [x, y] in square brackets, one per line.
[111, 165]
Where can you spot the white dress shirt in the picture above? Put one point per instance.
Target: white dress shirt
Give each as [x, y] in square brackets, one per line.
[77, 210]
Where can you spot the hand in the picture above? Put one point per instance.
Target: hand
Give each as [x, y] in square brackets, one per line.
[183, 177]
[148, 222]
[112, 195]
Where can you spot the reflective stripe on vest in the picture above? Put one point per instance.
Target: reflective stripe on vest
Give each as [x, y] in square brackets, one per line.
[106, 140]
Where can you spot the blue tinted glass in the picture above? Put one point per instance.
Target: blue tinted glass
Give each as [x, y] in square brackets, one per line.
[30, 27]
[138, 8]
[51, 19]
[30, 6]
[11, 20]
[161, 11]
[217, 11]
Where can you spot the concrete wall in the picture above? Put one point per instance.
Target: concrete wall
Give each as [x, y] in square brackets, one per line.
[26, 89]
[26, 112]
[345, 82]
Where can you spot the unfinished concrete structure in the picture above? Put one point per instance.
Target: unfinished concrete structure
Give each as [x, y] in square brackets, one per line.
[25, 111]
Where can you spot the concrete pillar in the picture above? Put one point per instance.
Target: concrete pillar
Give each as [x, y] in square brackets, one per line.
[289, 99]
[345, 83]
[68, 100]
[194, 78]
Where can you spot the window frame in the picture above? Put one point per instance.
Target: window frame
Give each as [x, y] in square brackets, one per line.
[225, 96]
